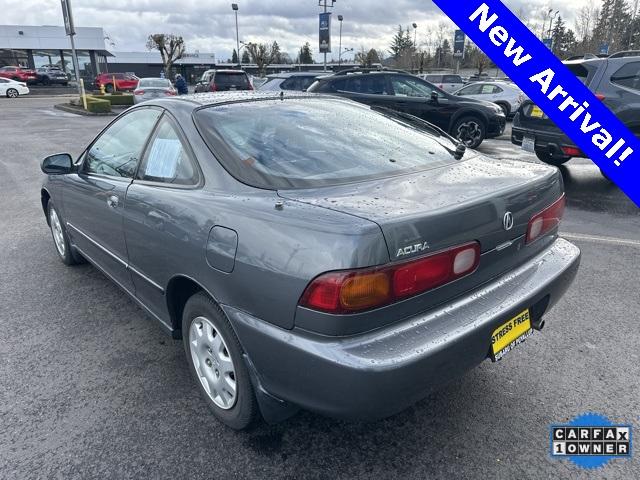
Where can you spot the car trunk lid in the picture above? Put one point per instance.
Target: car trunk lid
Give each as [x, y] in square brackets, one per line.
[473, 200]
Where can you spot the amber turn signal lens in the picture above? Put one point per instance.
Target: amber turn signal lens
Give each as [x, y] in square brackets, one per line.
[364, 291]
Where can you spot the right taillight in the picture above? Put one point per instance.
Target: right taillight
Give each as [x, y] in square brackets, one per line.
[545, 221]
[213, 87]
[352, 291]
[138, 92]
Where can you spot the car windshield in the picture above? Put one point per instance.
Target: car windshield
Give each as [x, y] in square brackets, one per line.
[301, 143]
[154, 83]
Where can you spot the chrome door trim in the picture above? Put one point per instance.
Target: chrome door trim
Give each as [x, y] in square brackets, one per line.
[146, 279]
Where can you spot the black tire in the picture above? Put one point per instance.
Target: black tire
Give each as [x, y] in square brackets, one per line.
[244, 411]
[505, 108]
[605, 175]
[64, 84]
[12, 93]
[46, 81]
[67, 254]
[470, 130]
[549, 159]
[108, 88]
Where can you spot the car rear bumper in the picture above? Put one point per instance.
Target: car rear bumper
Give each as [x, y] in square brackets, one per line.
[546, 141]
[379, 373]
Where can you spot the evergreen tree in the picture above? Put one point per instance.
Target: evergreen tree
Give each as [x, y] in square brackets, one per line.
[276, 53]
[245, 57]
[401, 43]
[234, 57]
[305, 55]
[612, 24]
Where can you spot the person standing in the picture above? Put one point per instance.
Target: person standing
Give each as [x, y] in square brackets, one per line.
[181, 85]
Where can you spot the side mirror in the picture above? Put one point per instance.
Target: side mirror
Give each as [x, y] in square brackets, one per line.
[58, 164]
[434, 97]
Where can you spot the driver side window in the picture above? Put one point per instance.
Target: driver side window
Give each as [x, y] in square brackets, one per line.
[117, 152]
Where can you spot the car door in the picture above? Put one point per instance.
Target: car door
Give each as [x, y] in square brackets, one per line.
[93, 198]
[3, 86]
[413, 95]
[160, 225]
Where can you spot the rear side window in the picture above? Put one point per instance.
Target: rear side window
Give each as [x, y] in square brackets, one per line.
[371, 85]
[583, 72]
[628, 76]
[228, 79]
[167, 159]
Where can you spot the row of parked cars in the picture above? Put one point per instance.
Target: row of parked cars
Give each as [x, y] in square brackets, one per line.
[472, 114]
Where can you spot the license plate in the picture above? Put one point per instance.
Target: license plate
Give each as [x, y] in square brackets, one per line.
[510, 334]
[536, 112]
[529, 144]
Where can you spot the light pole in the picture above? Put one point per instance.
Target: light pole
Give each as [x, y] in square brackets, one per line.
[551, 25]
[323, 3]
[415, 44]
[234, 7]
[340, 55]
[544, 22]
[340, 18]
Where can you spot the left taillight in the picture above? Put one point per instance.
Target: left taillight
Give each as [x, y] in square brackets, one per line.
[546, 220]
[352, 291]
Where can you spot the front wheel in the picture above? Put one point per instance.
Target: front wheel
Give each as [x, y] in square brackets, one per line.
[12, 93]
[216, 361]
[549, 159]
[470, 131]
[60, 238]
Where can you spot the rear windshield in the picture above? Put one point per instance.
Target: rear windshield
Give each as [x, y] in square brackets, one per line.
[452, 79]
[301, 143]
[433, 78]
[154, 83]
[223, 78]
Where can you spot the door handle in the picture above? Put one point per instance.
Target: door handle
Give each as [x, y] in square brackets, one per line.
[113, 201]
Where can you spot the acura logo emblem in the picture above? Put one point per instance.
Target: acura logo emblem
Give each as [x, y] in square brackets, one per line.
[507, 221]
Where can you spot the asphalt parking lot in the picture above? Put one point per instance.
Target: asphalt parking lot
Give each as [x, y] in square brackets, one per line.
[90, 387]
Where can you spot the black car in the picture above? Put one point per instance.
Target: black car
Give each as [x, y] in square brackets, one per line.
[615, 81]
[223, 81]
[467, 119]
[51, 75]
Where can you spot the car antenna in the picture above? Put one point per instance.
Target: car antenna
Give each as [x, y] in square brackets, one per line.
[281, 94]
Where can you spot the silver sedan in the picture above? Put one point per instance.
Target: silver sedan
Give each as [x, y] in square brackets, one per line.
[152, 88]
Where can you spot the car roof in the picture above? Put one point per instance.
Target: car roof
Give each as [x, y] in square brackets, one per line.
[152, 78]
[295, 74]
[197, 100]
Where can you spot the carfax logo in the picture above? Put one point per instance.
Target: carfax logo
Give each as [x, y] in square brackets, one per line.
[591, 440]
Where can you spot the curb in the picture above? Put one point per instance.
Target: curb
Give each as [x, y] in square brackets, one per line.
[65, 107]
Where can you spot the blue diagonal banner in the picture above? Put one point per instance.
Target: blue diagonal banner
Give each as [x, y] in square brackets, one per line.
[548, 83]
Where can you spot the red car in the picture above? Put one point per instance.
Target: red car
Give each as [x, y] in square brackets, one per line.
[19, 74]
[123, 81]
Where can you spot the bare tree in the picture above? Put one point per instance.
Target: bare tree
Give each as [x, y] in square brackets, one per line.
[170, 46]
[261, 54]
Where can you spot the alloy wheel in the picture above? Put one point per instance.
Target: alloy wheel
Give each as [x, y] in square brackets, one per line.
[469, 133]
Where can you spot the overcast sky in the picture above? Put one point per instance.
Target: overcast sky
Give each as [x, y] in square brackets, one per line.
[209, 26]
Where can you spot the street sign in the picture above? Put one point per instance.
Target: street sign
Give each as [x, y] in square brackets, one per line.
[459, 39]
[548, 42]
[68, 18]
[604, 49]
[325, 32]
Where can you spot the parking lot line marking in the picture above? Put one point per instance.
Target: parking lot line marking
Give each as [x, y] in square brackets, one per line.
[601, 239]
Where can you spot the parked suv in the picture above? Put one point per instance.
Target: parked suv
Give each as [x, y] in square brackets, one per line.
[123, 81]
[467, 119]
[446, 82]
[19, 74]
[223, 81]
[615, 80]
[51, 75]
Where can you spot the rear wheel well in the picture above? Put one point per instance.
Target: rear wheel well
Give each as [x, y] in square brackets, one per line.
[179, 290]
[505, 106]
[44, 199]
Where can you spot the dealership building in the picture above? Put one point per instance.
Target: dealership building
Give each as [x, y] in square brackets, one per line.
[37, 46]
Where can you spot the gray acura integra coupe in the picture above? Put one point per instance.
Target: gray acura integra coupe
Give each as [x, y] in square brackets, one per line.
[310, 251]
